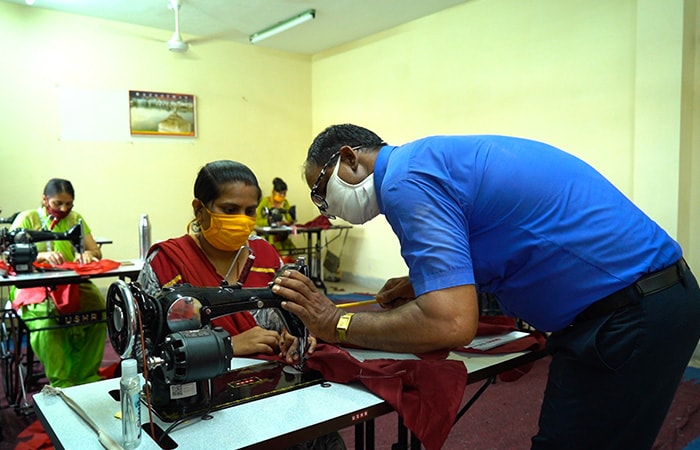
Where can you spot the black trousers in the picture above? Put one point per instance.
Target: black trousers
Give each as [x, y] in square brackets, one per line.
[612, 379]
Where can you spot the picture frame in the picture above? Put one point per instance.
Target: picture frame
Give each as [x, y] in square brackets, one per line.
[162, 114]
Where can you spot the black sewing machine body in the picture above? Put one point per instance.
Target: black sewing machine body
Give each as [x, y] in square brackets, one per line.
[275, 216]
[188, 359]
[20, 252]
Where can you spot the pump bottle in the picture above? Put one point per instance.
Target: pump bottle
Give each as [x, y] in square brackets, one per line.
[129, 393]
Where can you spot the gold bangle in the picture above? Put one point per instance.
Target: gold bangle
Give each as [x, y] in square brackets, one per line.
[342, 326]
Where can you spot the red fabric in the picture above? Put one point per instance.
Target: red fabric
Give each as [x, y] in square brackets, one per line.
[66, 297]
[426, 393]
[34, 437]
[182, 257]
[109, 371]
[320, 221]
[91, 268]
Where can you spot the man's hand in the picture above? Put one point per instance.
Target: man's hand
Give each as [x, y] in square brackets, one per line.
[441, 319]
[318, 312]
[396, 292]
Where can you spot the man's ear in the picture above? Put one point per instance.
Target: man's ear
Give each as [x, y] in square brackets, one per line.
[349, 155]
[44, 200]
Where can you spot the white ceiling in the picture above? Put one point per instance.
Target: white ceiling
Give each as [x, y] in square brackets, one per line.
[337, 21]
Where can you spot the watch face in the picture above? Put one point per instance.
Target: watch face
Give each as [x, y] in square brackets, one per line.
[344, 321]
[342, 326]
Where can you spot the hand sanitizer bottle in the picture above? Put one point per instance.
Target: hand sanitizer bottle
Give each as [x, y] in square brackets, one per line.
[129, 393]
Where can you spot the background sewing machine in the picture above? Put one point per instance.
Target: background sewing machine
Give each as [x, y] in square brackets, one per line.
[187, 359]
[275, 216]
[19, 251]
[8, 219]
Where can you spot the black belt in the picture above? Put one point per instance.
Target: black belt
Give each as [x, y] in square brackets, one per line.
[647, 285]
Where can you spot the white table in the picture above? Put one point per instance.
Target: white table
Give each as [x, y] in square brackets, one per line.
[14, 331]
[272, 422]
[129, 269]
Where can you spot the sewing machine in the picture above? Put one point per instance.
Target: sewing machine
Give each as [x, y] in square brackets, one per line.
[275, 216]
[18, 247]
[187, 359]
[8, 219]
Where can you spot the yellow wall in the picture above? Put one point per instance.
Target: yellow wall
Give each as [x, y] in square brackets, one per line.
[565, 72]
[253, 105]
[610, 81]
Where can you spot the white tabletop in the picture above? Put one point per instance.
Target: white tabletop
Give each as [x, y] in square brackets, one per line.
[272, 422]
[129, 268]
[240, 426]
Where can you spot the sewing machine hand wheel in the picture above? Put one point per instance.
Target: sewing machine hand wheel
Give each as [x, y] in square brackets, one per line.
[122, 323]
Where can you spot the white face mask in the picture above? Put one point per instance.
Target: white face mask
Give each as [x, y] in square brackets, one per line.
[356, 203]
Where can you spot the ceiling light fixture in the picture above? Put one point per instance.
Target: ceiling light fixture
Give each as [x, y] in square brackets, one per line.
[282, 26]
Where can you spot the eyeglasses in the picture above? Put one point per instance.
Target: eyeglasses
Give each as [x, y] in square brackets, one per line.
[319, 200]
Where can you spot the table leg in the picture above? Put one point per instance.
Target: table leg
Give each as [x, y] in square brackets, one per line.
[360, 436]
[364, 435]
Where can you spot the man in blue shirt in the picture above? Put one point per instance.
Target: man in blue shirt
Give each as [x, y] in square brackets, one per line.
[557, 244]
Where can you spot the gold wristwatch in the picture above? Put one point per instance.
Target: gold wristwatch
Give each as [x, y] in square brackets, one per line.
[342, 326]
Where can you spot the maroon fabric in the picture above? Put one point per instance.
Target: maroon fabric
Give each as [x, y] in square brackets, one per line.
[426, 393]
[320, 221]
[489, 325]
[182, 260]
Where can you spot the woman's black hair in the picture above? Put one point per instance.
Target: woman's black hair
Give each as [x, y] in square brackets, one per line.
[58, 186]
[332, 138]
[215, 175]
[279, 185]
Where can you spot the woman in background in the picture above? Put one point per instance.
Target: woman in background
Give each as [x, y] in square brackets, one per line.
[276, 201]
[70, 355]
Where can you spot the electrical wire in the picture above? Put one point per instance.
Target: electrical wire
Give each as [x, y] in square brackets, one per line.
[146, 378]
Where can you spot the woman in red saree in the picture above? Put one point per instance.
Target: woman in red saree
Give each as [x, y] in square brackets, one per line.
[226, 197]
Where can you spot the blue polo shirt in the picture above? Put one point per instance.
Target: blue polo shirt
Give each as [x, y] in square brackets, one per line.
[539, 228]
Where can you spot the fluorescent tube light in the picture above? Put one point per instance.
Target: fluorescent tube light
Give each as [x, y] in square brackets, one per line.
[282, 26]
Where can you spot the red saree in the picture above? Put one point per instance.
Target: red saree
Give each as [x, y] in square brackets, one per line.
[180, 260]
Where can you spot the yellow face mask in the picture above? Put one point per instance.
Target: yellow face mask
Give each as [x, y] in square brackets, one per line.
[228, 232]
[277, 198]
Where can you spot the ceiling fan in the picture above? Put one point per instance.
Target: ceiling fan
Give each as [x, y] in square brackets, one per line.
[175, 43]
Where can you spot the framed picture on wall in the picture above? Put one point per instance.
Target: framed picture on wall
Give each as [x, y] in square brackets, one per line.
[162, 114]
